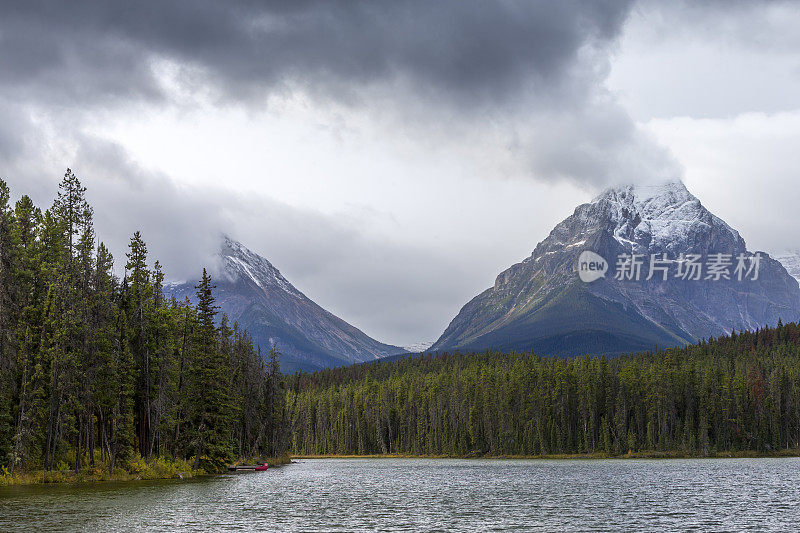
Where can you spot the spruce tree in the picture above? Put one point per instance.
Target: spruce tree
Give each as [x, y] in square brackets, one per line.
[139, 302]
[7, 319]
[212, 405]
[89, 363]
[72, 208]
[276, 405]
[28, 280]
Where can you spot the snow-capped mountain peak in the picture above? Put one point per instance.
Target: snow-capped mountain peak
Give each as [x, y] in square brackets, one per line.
[664, 193]
[660, 217]
[237, 261]
[253, 293]
[541, 303]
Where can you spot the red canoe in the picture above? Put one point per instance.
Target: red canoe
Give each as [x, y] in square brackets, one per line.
[262, 467]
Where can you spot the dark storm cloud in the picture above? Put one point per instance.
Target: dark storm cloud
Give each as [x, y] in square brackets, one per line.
[507, 70]
[93, 51]
[526, 75]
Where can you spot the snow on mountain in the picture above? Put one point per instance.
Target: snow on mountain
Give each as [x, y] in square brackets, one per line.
[239, 261]
[541, 304]
[660, 216]
[791, 261]
[419, 347]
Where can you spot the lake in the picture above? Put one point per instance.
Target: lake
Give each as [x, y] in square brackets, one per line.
[432, 494]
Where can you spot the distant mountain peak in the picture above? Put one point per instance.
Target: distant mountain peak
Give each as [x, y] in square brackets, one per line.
[252, 292]
[658, 216]
[240, 262]
[540, 303]
[658, 193]
[418, 347]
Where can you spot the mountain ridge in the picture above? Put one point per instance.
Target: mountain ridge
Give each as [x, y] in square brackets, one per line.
[252, 292]
[541, 304]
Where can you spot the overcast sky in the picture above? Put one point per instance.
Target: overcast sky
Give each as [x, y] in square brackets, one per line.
[391, 158]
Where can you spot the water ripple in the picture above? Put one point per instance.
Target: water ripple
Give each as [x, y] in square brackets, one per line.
[433, 495]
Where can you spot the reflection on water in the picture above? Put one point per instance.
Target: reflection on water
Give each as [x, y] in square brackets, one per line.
[432, 494]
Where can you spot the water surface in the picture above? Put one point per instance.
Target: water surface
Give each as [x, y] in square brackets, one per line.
[432, 494]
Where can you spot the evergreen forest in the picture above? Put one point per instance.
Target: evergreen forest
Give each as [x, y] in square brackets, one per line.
[729, 394]
[99, 370]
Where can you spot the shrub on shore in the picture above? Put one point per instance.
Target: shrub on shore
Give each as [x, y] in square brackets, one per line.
[137, 468]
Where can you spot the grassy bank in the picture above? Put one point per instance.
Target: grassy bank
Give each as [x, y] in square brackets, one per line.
[135, 470]
[645, 454]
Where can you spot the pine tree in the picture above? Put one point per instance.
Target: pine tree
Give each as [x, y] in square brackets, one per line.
[89, 363]
[212, 405]
[72, 208]
[139, 302]
[275, 412]
[28, 279]
[7, 319]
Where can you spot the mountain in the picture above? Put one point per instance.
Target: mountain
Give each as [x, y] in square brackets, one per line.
[418, 347]
[541, 303]
[254, 293]
[791, 261]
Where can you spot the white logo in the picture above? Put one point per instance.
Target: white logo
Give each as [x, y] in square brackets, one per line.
[591, 266]
[691, 267]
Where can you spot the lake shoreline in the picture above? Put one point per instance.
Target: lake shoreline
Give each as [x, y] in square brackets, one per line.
[742, 454]
[173, 469]
[430, 495]
[140, 470]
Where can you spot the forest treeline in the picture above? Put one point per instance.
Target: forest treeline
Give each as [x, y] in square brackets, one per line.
[728, 394]
[97, 371]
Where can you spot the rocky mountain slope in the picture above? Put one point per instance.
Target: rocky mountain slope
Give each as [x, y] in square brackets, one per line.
[541, 303]
[251, 291]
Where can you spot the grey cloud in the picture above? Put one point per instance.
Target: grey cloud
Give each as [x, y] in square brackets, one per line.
[459, 65]
[596, 146]
[735, 57]
[88, 51]
[395, 292]
[766, 25]
[526, 75]
[10, 143]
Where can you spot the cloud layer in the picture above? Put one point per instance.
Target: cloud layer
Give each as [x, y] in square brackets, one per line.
[511, 70]
[475, 50]
[515, 92]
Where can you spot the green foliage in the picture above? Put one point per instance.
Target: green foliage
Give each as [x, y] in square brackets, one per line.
[732, 394]
[161, 467]
[212, 408]
[99, 374]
